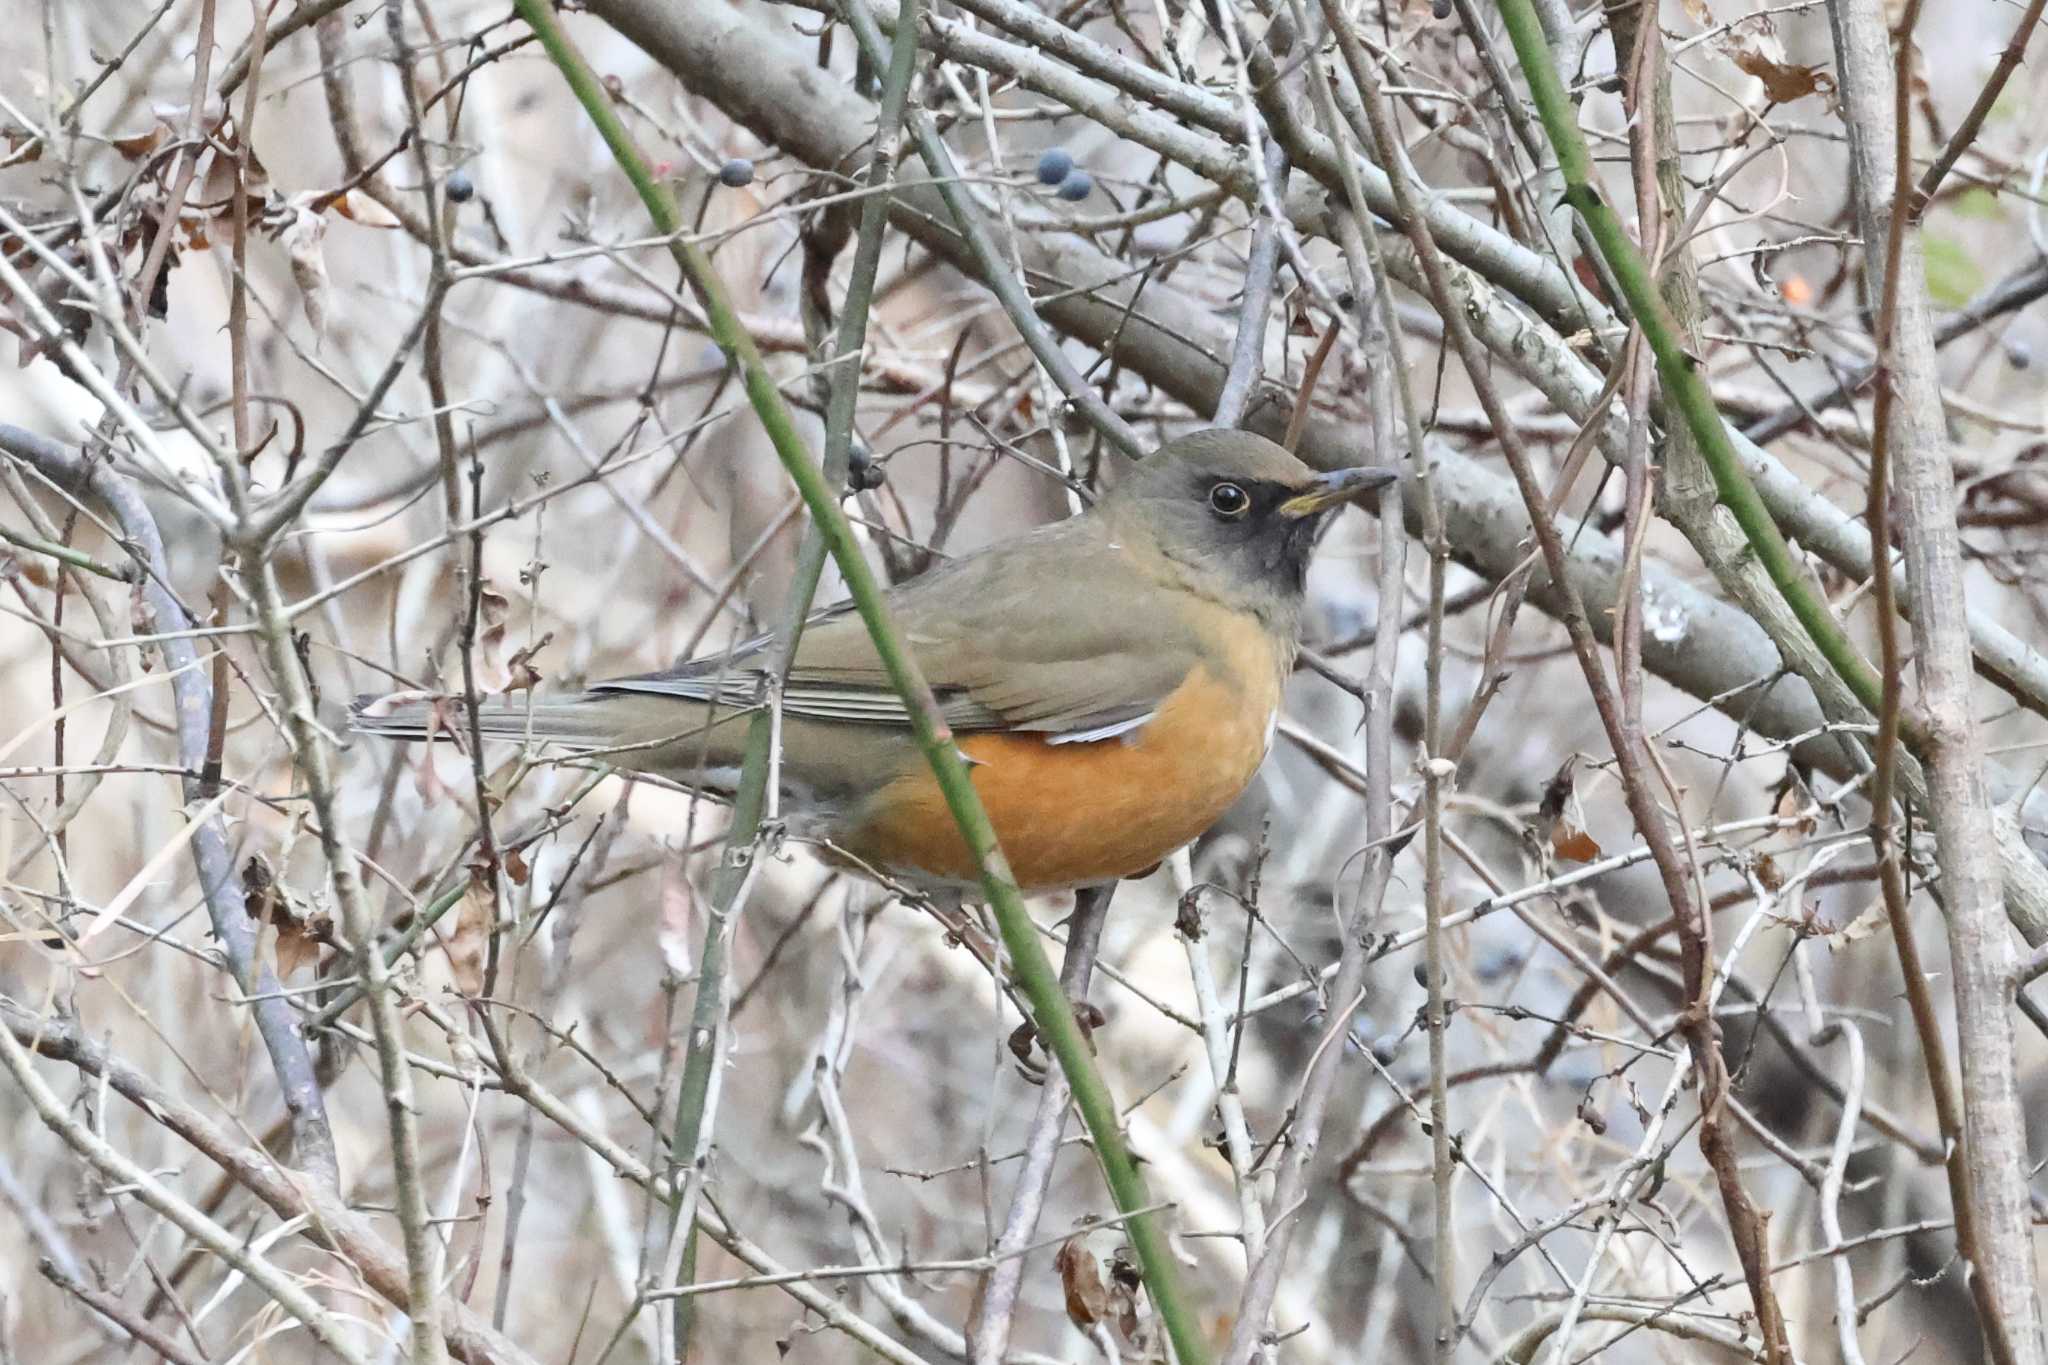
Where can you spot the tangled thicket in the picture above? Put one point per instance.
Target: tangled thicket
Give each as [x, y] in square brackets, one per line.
[347, 363]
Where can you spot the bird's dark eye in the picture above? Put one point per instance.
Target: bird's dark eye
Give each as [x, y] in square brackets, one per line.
[1229, 500]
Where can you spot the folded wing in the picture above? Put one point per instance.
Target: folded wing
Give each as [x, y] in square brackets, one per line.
[1018, 640]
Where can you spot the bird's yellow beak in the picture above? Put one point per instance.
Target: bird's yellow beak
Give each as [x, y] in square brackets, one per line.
[1337, 486]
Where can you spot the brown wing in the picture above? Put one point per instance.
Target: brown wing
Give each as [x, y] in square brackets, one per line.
[1025, 636]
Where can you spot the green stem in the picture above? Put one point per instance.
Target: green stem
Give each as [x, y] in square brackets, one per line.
[1052, 1014]
[707, 1012]
[1684, 386]
[77, 559]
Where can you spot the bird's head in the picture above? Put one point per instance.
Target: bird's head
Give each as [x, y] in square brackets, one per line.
[1238, 510]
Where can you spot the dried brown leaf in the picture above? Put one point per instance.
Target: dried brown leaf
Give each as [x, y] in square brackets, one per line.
[426, 780]
[34, 569]
[1870, 921]
[218, 177]
[142, 621]
[493, 668]
[136, 146]
[1756, 49]
[1081, 1281]
[468, 941]
[301, 239]
[1125, 1283]
[15, 138]
[1784, 82]
[678, 907]
[1556, 792]
[1558, 819]
[521, 674]
[1573, 844]
[301, 931]
[1793, 805]
[358, 207]
[385, 703]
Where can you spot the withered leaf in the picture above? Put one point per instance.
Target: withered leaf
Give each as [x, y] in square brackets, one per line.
[1553, 811]
[142, 618]
[493, 670]
[33, 569]
[1573, 844]
[465, 945]
[1021, 1041]
[1784, 82]
[15, 138]
[678, 909]
[358, 207]
[1870, 921]
[1793, 805]
[301, 930]
[1081, 1281]
[1557, 791]
[301, 238]
[1125, 1281]
[521, 675]
[1754, 46]
[136, 146]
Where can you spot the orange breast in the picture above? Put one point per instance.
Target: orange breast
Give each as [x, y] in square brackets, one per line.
[1075, 814]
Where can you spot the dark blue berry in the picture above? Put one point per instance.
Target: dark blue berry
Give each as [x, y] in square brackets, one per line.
[1077, 186]
[736, 172]
[1493, 963]
[1441, 9]
[2018, 354]
[461, 189]
[1054, 165]
[862, 472]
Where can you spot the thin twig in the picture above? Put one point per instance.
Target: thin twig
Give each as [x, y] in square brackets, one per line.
[117, 1168]
[995, 1300]
[96, 480]
[1830, 1185]
[1745, 1224]
[1993, 1226]
[1964, 134]
[1004, 283]
[1255, 303]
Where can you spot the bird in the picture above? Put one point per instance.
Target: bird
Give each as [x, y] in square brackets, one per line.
[1113, 680]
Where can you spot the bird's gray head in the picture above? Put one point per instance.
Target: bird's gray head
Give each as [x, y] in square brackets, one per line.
[1237, 509]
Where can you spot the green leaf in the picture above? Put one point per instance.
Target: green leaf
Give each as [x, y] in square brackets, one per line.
[1975, 202]
[1953, 277]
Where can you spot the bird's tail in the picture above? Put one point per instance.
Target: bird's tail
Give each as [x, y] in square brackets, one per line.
[674, 736]
[576, 722]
